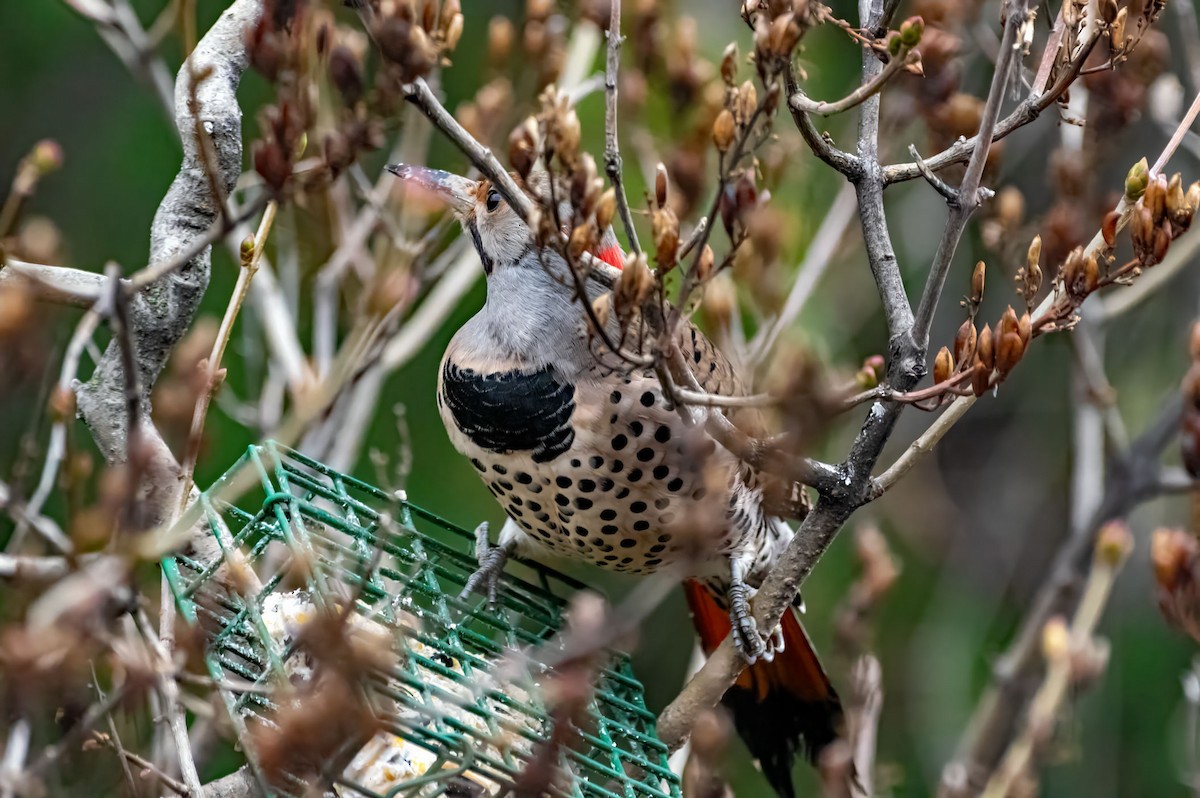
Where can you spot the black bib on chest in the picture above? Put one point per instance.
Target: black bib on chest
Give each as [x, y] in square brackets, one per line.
[511, 411]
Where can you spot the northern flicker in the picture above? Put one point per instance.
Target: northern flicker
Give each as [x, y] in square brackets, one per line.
[591, 461]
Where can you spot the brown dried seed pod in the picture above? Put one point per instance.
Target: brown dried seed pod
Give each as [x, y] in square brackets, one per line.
[980, 377]
[1009, 350]
[660, 184]
[724, 129]
[1025, 327]
[729, 64]
[747, 100]
[522, 147]
[665, 227]
[606, 209]
[1177, 205]
[704, 266]
[943, 365]
[500, 37]
[984, 350]
[977, 281]
[583, 239]
[1155, 198]
[964, 342]
[1109, 228]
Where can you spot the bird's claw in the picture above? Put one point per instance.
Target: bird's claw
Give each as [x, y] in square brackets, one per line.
[747, 639]
[491, 560]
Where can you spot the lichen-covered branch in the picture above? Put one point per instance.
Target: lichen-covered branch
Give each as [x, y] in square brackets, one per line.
[161, 314]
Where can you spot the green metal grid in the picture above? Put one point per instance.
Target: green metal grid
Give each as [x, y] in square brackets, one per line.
[404, 562]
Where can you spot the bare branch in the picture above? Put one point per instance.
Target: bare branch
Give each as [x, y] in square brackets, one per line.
[969, 196]
[160, 316]
[612, 151]
[1022, 115]
[800, 102]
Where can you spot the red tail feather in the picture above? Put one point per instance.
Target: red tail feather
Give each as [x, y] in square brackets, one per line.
[780, 707]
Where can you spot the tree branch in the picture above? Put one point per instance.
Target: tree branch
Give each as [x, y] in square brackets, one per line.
[969, 195]
[1131, 479]
[1022, 115]
[612, 151]
[161, 315]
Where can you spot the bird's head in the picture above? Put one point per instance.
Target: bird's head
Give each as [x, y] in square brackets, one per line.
[500, 236]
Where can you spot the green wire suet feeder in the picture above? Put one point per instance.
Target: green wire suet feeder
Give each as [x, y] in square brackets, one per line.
[458, 717]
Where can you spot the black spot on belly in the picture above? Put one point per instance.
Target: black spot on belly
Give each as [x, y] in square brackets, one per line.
[511, 410]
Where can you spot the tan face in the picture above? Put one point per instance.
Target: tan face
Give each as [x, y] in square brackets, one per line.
[497, 232]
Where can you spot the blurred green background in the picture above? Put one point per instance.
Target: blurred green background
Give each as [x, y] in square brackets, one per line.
[974, 527]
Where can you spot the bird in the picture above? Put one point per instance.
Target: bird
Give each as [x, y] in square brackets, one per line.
[591, 460]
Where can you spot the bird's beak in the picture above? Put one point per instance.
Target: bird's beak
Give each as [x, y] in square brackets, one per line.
[459, 192]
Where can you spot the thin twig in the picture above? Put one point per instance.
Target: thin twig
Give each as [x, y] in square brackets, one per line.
[169, 689]
[820, 254]
[612, 151]
[1022, 115]
[249, 266]
[799, 101]
[1057, 681]
[968, 197]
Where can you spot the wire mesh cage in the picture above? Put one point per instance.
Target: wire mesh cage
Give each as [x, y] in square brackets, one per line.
[458, 711]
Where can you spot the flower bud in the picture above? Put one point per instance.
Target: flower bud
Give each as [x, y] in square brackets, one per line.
[943, 365]
[894, 43]
[47, 156]
[1025, 328]
[1136, 181]
[723, 131]
[246, 250]
[660, 184]
[911, 31]
[1114, 543]
[1056, 639]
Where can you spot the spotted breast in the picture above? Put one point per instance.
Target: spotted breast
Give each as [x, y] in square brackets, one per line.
[603, 469]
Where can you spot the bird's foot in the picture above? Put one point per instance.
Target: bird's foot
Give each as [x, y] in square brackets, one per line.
[747, 639]
[491, 560]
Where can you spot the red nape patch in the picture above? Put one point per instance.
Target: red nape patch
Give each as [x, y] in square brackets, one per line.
[613, 257]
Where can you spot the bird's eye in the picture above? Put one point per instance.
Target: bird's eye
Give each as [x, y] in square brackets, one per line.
[493, 200]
